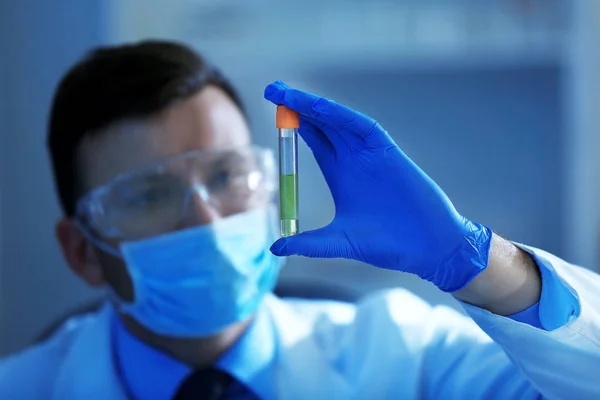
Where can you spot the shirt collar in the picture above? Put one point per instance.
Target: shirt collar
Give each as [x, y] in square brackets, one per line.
[147, 372]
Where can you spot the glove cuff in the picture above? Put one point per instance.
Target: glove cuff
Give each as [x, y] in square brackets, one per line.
[466, 262]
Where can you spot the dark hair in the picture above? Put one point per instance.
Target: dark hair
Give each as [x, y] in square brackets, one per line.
[116, 83]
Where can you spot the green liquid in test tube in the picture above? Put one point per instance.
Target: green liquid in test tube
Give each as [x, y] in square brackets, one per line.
[287, 125]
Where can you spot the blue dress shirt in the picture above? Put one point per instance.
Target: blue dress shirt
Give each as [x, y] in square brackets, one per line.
[147, 373]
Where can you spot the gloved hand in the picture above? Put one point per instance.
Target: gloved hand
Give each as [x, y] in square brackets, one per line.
[388, 212]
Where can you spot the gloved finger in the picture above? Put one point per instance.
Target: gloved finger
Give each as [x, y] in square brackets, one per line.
[333, 136]
[320, 108]
[314, 137]
[342, 117]
[281, 94]
[319, 243]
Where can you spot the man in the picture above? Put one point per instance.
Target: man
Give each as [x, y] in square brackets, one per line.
[167, 204]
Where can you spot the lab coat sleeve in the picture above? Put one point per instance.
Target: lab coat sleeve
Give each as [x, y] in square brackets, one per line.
[398, 346]
[529, 316]
[561, 361]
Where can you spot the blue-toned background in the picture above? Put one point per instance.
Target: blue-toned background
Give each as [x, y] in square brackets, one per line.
[496, 102]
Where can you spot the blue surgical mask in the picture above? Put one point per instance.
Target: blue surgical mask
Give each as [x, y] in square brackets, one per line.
[196, 282]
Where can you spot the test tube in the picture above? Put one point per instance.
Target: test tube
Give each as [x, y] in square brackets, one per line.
[287, 122]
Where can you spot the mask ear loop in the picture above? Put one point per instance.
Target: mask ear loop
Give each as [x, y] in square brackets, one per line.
[110, 292]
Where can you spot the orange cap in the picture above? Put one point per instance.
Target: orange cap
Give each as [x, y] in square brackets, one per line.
[286, 118]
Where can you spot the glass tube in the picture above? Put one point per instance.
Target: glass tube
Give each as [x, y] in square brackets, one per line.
[288, 181]
[287, 124]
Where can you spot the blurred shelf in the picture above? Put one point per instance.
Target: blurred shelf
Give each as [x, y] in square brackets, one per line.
[409, 34]
[374, 61]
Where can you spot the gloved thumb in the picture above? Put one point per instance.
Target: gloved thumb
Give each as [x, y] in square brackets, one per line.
[319, 243]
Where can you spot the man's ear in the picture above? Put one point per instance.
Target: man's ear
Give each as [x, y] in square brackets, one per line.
[79, 252]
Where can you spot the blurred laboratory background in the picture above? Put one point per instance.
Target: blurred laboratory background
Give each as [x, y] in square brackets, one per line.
[496, 100]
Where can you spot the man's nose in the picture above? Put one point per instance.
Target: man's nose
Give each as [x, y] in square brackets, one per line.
[198, 210]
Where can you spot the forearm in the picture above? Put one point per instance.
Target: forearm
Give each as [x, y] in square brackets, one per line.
[511, 282]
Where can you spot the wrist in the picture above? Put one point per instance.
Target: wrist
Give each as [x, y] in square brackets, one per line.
[510, 284]
[467, 261]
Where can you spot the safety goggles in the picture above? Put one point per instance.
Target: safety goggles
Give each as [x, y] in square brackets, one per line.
[163, 197]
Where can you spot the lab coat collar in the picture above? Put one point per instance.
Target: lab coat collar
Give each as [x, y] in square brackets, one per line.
[302, 364]
[88, 371]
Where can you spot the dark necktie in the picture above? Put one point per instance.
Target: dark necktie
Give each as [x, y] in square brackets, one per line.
[211, 384]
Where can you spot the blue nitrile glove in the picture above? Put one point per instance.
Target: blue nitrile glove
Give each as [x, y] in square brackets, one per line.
[388, 213]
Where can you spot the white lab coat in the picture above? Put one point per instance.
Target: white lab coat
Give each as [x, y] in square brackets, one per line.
[390, 346]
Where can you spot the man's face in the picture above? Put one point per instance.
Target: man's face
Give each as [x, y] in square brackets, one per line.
[207, 120]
